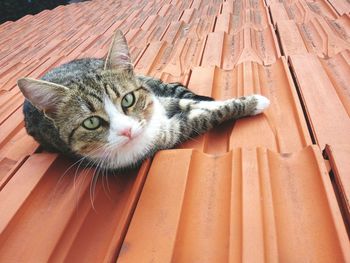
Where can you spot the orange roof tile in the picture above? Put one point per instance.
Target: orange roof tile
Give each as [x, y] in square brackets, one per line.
[47, 204]
[339, 157]
[257, 189]
[247, 205]
[323, 106]
[340, 6]
[269, 130]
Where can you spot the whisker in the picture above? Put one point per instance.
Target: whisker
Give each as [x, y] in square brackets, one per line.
[93, 183]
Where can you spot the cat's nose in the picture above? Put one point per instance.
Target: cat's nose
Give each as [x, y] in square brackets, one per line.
[126, 132]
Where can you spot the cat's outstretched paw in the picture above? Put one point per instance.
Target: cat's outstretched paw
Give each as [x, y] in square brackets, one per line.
[262, 104]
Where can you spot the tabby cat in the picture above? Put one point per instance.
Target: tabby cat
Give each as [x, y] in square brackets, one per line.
[102, 112]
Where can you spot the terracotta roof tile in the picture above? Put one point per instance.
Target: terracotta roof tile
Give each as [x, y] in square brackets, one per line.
[338, 71]
[251, 18]
[237, 207]
[322, 30]
[252, 190]
[339, 157]
[14, 142]
[341, 6]
[268, 130]
[291, 40]
[278, 12]
[329, 120]
[50, 200]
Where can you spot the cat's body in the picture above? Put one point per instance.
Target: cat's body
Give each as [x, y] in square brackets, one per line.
[84, 72]
[101, 111]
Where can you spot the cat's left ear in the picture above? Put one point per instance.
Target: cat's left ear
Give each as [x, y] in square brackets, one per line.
[44, 95]
[118, 55]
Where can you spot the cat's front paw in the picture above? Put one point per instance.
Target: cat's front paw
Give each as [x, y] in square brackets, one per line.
[261, 105]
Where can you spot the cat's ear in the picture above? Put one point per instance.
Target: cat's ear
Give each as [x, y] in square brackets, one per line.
[42, 94]
[118, 55]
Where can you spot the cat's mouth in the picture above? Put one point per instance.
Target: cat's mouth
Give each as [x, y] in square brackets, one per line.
[129, 139]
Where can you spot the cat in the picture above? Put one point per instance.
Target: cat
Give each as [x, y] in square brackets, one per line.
[101, 111]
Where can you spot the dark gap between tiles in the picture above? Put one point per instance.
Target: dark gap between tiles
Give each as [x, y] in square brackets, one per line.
[214, 25]
[275, 29]
[203, 48]
[181, 15]
[270, 16]
[303, 106]
[341, 202]
[188, 79]
[13, 171]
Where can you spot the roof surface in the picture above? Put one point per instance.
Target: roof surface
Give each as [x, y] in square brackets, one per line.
[271, 188]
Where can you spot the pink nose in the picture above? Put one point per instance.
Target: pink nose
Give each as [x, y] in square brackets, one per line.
[126, 132]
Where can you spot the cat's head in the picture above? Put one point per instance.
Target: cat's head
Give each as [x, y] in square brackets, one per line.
[104, 115]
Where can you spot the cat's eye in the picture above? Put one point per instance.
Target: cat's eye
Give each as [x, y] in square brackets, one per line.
[92, 123]
[128, 100]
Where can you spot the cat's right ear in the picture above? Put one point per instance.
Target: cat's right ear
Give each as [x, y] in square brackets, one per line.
[42, 94]
[118, 56]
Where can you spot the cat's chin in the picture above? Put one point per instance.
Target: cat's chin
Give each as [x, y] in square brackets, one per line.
[125, 142]
[130, 145]
[128, 153]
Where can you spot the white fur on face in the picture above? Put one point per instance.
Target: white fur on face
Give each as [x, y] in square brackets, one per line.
[118, 122]
[125, 151]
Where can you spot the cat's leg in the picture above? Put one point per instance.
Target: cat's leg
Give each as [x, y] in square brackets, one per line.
[188, 118]
[219, 111]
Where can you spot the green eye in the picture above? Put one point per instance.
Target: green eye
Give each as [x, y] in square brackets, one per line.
[128, 100]
[92, 123]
